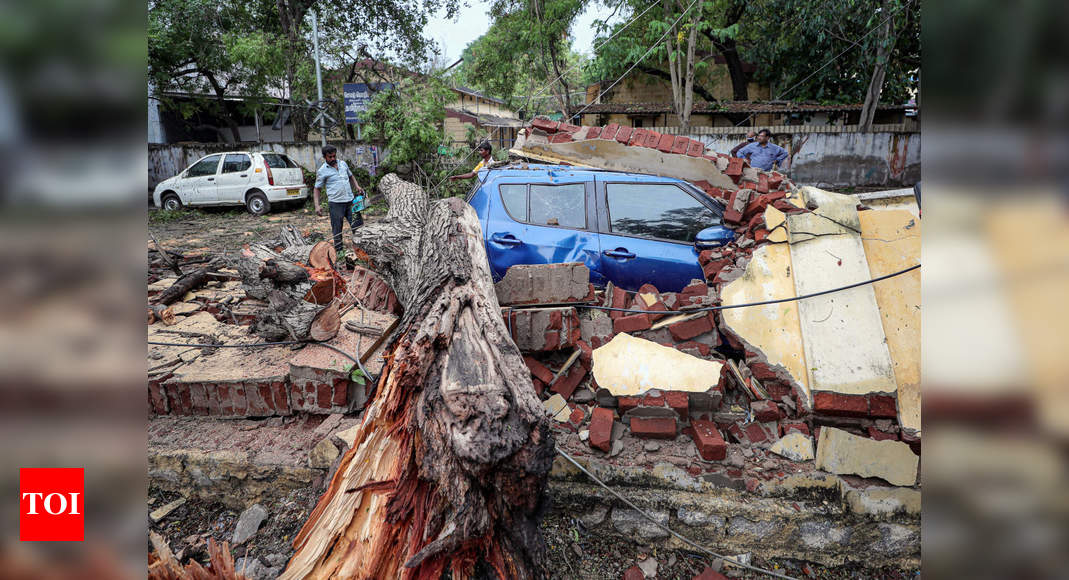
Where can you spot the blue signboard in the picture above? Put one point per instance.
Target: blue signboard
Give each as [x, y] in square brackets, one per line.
[358, 96]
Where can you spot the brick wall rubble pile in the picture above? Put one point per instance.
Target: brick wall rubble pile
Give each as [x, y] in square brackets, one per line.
[256, 382]
[753, 407]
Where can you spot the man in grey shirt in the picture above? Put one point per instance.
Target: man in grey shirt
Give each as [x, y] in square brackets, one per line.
[335, 176]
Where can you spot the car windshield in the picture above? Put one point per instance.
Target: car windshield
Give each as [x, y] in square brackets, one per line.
[278, 161]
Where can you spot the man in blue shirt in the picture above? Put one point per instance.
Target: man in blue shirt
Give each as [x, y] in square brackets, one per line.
[762, 154]
[334, 174]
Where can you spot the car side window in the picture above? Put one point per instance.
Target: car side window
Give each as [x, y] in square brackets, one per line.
[236, 162]
[558, 205]
[206, 166]
[657, 210]
[514, 197]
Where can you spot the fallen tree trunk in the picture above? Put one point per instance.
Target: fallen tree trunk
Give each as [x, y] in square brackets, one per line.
[449, 467]
[188, 283]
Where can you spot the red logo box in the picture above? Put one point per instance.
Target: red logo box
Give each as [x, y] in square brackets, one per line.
[51, 504]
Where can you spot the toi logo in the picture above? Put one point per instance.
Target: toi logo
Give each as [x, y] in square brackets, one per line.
[50, 505]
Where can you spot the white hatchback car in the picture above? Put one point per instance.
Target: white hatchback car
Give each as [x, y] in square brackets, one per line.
[253, 179]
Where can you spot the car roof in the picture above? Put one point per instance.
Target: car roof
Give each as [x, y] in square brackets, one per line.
[521, 169]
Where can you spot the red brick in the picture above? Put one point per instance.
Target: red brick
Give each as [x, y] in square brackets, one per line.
[633, 573]
[539, 370]
[882, 406]
[624, 135]
[577, 416]
[545, 124]
[341, 392]
[631, 323]
[239, 400]
[762, 183]
[788, 426]
[567, 383]
[601, 429]
[619, 300]
[679, 401]
[695, 290]
[323, 393]
[774, 181]
[734, 167]
[708, 440]
[755, 432]
[178, 399]
[688, 329]
[568, 127]
[703, 349]
[710, 574]
[766, 411]
[610, 131]
[652, 400]
[560, 138]
[157, 397]
[679, 145]
[653, 427]
[638, 138]
[586, 354]
[878, 435]
[664, 143]
[840, 405]
[760, 235]
[625, 404]
[695, 149]
[593, 133]
[539, 386]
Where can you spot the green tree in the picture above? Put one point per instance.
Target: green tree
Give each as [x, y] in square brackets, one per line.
[526, 52]
[832, 50]
[222, 47]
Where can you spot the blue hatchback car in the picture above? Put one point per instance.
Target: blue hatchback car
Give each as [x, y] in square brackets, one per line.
[628, 228]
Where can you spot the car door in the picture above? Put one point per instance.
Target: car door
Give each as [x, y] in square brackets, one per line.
[647, 232]
[199, 182]
[233, 178]
[546, 222]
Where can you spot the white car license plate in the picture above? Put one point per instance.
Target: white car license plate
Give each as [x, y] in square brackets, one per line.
[293, 192]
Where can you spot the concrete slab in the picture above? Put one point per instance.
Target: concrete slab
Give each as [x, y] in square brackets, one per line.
[841, 453]
[775, 329]
[892, 242]
[842, 332]
[630, 366]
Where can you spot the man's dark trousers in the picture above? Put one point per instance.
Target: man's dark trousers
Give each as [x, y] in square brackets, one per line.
[338, 213]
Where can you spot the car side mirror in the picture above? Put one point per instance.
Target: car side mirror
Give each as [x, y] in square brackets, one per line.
[713, 237]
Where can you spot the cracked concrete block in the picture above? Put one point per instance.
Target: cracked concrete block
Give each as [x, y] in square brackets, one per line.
[699, 518]
[631, 523]
[841, 453]
[794, 446]
[545, 284]
[821, 535]
[759, 529]
[884, 501]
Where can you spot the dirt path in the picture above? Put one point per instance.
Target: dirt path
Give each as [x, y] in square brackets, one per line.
[228, 229]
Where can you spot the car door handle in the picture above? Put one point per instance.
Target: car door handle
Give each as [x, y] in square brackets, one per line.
[244, 175]
[211, 179]
[618, 253]
[507, 239]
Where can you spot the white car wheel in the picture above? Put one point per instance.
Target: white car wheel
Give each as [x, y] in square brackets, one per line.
[171, 202]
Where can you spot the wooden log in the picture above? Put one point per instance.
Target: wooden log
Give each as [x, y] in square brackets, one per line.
[188, 283]
[162, 313]
[449, 467]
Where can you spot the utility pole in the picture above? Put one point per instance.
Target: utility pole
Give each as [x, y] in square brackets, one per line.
[319, 79]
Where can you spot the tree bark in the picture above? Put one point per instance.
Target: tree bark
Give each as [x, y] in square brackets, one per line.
[449, 467]
[729, 49]
[883, 51]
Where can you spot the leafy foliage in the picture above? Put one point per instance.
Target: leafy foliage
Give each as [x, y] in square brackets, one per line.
[525, 52]
[791, 39]
[407, 119]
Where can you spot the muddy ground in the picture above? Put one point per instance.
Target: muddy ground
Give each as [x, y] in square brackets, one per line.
[574, 553]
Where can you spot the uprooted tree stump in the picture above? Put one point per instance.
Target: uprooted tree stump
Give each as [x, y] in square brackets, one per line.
[449, 467]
